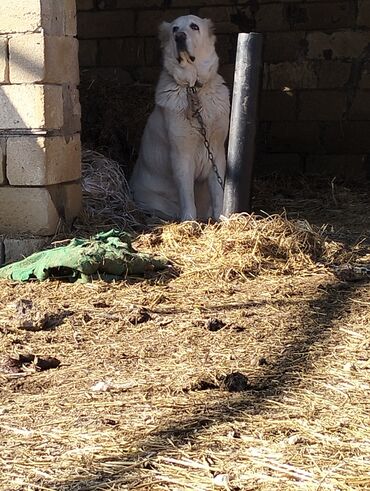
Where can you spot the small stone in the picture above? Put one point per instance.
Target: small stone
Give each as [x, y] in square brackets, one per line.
[139, 317]
[235, 382]
[222, 481]
[47, 363]
[214, 325]
[101, 387]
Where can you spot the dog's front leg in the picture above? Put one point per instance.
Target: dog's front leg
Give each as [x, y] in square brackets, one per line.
[183, 173]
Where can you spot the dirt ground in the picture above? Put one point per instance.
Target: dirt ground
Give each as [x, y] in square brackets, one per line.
[142, 398]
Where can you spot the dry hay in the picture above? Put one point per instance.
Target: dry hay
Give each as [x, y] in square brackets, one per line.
[319, 200]
[106, 195]
[243, 246]
[125, 409]
[137, 401]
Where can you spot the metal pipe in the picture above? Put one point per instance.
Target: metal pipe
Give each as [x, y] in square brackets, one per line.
[243, 124]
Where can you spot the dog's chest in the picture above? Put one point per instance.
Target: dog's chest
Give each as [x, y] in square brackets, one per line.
[207, 108]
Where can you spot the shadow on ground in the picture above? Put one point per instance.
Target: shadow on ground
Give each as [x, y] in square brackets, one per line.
[296, 359]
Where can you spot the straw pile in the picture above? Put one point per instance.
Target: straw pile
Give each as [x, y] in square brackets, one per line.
[243, 246]
[106, 195]
[138, 399]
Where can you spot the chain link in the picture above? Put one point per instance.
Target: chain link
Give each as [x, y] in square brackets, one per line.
[351, 272]
[196, 110]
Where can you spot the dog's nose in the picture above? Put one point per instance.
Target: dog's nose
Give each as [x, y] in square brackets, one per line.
[180, 37]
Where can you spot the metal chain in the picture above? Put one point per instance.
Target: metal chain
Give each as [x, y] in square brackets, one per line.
[196, 109]
[351, 272]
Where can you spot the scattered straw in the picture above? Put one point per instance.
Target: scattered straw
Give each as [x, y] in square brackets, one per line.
[139, 405]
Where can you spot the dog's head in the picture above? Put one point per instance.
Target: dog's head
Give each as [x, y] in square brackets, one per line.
[188, 45]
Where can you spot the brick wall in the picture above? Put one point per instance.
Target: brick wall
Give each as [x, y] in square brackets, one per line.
[315, 108]
[40, 158]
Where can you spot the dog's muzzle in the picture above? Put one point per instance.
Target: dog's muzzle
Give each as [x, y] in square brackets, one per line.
[182, 49]
[180, 38]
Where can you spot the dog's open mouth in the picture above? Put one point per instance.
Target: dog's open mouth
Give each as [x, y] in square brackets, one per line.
[184, 55]
[182, 51]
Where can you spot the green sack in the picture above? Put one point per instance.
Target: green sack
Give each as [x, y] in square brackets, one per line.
[108, 255]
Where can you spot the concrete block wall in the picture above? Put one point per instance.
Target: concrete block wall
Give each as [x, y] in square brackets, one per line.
[40, 150]
[315, 115]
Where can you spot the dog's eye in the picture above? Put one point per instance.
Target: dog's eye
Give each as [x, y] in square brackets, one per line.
[175, 29]
[194, 27]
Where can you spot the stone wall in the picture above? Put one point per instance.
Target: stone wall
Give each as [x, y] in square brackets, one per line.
[315, 107]
[40, 154]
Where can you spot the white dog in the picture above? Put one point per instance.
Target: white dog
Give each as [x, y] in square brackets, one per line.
[174, 177]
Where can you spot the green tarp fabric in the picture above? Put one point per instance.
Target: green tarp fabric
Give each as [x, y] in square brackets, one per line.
[107, 255]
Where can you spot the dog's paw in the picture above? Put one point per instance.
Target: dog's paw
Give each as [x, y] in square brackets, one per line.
[188, 215]
[187, 218]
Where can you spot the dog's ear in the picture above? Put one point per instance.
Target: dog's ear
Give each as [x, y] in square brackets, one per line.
[211, 27]
[164, 32]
